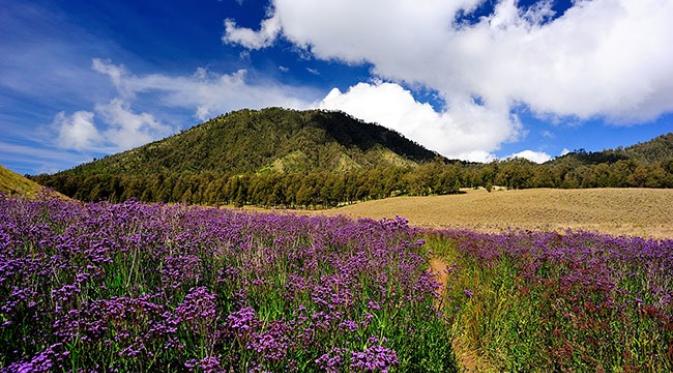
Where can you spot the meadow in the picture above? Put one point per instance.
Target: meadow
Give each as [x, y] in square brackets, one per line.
[139, 287]
[619, 211]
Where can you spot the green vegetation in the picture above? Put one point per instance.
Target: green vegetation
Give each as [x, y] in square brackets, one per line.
[250, 141]
[317, 158]
[267, 157]
[523, 302]
[315, 188]
[15, 184]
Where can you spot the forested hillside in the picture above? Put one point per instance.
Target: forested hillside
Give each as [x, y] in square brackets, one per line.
[317, 158]
[271, 139]
[656, 150]
[272, 156]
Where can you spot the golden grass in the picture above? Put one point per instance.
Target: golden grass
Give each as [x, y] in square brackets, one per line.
[633, 211]
[14, 184]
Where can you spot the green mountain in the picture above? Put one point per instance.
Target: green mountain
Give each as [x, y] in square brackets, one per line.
[314, 158]
[659, 149]
[270, 139]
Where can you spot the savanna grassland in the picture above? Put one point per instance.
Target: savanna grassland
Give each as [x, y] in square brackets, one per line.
[154, 287]
[631, 211]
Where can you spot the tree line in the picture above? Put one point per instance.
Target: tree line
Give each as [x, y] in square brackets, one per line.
[311, 189]
[326, 189]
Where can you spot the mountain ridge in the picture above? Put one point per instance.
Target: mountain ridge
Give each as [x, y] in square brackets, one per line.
[268, 139]
[657, 149]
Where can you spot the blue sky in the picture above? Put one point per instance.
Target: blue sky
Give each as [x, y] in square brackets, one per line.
[474, 79]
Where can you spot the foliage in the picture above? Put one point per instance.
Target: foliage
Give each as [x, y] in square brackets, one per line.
[317, 158]
[320, 188]
[655, 150]
[550, 302]
[249, 141]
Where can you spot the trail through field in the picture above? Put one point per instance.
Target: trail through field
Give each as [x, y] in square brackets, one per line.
[467, 360]
[438, 268]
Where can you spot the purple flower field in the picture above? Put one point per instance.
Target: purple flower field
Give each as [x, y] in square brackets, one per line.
[151, 287]
[138, 287]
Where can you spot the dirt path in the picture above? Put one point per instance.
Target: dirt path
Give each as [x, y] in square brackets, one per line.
[468, 361]
[438, 269]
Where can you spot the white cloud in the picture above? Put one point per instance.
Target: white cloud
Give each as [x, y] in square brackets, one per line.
[531, 155]
[564, 152]
[209, 93]
[120, 128]
[465, 131]
[127, 129]
[123, 129]
[77, 131]
[252, 39]
[472, 130]
[605, 58]
[114, 72]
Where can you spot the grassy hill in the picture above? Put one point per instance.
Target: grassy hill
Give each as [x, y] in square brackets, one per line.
[14, 184]
[269, 139]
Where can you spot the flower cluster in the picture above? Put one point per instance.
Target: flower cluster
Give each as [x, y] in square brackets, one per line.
[144, 287]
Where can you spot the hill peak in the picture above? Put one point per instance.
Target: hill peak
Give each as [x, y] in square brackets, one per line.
[268, 139]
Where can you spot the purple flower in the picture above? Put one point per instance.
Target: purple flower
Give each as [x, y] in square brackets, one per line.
[179, 270]
[374, 358]
[348, 325]
[198, 306]
[331, 362]
[210, 364]
[242, 321]
[271, 344]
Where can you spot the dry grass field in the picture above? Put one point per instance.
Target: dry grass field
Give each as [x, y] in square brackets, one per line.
[14, 184]
[640, 212]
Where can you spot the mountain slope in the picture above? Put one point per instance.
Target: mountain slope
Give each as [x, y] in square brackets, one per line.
[268, 139]
[656, 150]
[14, 184]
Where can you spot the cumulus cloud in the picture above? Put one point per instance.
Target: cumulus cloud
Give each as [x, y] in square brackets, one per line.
[564, 152]
[77, 131]
[115, 126]
[601, 58]
[466, 131]
[462, 132]
[531, 155]
[122, 129]
[127, 129]
[264, 37]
